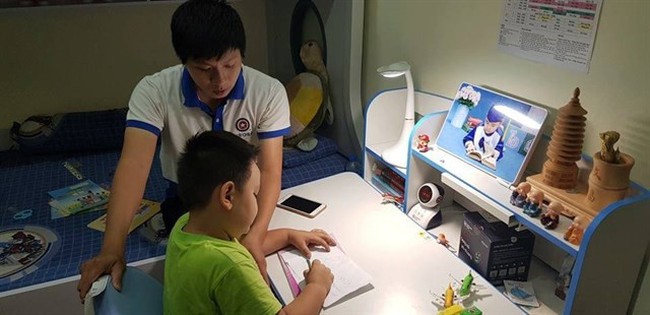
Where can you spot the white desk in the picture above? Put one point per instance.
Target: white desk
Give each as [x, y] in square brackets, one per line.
[404, 262]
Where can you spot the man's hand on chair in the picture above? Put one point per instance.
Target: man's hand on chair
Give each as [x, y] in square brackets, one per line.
[99, 265]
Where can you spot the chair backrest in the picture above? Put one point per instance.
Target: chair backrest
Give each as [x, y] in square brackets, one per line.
[141, 294]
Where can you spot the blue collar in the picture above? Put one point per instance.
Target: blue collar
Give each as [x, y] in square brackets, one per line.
[192, 98]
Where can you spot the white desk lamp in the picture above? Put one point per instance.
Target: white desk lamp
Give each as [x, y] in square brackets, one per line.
[397, 154]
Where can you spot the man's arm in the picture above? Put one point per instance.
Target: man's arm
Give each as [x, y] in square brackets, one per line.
[126, 194]
[270, 163]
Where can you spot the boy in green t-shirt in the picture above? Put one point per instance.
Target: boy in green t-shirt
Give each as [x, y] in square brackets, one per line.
[207, 270]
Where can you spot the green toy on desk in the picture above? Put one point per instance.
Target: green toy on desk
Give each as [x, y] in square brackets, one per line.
[471, 311]
[465, 288]
[450, 301]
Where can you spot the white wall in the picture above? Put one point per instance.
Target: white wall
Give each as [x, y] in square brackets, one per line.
[89, 57]
[447, 42]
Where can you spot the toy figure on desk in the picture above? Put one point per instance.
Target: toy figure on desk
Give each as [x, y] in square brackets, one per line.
[519, 195]
[466, 287]
[423, 143]
[450, 301]
[551, 218]
[575, 231]
[442, 240]
[449, 297]
[533, 205]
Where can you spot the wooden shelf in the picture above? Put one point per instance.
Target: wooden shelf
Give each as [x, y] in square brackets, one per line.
[573, 201]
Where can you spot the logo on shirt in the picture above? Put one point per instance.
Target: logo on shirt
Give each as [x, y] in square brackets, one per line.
[242, 124]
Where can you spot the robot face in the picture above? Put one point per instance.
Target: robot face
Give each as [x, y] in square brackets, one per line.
[430, 195]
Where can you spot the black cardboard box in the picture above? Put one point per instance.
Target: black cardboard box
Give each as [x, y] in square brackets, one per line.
[494, 250]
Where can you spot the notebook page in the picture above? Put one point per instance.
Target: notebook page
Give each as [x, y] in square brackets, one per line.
[348, 276]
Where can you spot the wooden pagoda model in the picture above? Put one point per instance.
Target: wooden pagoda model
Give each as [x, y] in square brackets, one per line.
[559, 174]
[560, 170]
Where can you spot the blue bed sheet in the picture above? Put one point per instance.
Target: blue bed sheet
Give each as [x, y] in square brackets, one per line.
[25, 181]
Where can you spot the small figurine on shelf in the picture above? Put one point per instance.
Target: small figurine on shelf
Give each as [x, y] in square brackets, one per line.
[551, 218]
[394, 199]
[575, 231]
[533, 205]
[519, 195]
[423, 143]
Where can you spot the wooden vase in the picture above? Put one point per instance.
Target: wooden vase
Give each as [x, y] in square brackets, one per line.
[608, 182]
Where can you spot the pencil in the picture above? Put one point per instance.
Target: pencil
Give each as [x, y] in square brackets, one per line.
[308, 264]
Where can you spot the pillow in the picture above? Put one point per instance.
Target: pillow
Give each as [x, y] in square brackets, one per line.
[71, 132]
[294, 157]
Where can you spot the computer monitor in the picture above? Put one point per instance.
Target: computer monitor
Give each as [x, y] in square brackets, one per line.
[491, 131]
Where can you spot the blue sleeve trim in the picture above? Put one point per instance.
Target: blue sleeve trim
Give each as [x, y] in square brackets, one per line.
[143, 125]
[469, 136]
[273, 134]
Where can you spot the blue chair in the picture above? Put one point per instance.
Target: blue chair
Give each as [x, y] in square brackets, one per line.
[141, 295]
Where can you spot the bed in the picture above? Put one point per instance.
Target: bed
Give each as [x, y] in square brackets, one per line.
[92, 149]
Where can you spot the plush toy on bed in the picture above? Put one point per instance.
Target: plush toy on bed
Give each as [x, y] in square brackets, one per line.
[309, 100]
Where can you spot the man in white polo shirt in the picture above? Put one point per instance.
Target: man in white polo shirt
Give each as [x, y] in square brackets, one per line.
[210, 90]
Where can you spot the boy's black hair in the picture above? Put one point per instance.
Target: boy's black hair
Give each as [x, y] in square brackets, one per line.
[210, 159]
[204, 29]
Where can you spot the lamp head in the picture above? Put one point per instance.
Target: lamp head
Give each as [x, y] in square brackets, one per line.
[394, 70]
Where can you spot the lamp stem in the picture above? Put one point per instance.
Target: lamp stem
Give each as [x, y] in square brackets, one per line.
[398, 153]
[410, 97]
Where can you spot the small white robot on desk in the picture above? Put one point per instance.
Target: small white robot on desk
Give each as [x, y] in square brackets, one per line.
[427, 212]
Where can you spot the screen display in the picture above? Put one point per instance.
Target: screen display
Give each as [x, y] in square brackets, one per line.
[425, 194]
[301, 204]
[493, 132]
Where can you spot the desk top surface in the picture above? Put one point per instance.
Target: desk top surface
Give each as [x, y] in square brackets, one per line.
[406, 264]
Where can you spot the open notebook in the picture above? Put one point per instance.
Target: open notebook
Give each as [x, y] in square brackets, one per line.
[348, 276]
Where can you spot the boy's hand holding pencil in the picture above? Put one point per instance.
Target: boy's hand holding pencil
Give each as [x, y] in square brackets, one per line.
[318, 274]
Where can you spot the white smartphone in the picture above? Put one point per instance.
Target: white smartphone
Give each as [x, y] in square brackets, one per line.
[301, 205]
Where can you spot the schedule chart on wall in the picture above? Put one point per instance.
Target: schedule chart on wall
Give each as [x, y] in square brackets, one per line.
[556, 32]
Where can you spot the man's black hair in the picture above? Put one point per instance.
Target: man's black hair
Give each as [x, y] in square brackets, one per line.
[210, 159]
[204, 29]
